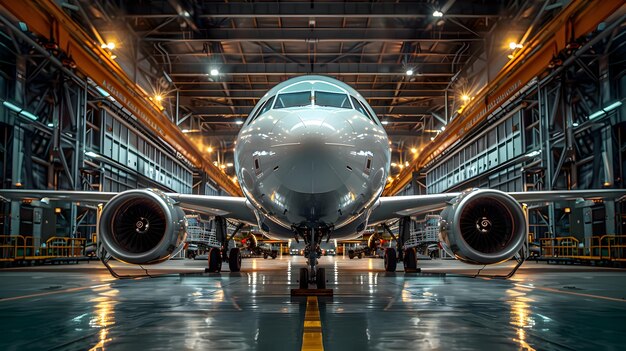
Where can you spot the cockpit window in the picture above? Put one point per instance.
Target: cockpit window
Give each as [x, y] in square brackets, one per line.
[267, 105]
[324, 98]
[359, 107]
[285, 100]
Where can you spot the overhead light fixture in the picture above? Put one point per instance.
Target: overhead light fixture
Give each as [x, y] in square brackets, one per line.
[222, 166]
[510, 56]
[393, 164]
[103, 92]
[575, 124]
[432, 138]
[384, 122]
[209, 149]
[389, 179]
[409, 72]
[214, 72]
[110, 45]
[437, 13]
[413, 150]
[239, 122]
[50, 125]
[443, 128]
[20, 111]
[465, 97]
[605, 110]
[229, 164]
[185, 130]
[513, 45]
[113, 57]
[406, 164]
[158, 97]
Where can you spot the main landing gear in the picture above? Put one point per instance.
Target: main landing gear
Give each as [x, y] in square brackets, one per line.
[222, 254]
[407, 255]
[312, 237]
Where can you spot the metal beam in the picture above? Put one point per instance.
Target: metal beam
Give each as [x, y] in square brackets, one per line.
[320, 10]
[264, 69]
[305, 35]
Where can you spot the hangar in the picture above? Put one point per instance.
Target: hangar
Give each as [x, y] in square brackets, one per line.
[312, 174]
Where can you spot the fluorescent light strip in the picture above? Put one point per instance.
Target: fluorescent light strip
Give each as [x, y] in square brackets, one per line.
[605, 110]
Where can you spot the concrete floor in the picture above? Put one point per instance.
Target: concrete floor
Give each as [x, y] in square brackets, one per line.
[545, 307]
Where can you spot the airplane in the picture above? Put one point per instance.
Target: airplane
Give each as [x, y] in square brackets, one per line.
[312, 160]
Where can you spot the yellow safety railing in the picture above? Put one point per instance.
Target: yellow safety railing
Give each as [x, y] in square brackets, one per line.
[564, 247]
[11, 246]
[58, 246]
[608, 247]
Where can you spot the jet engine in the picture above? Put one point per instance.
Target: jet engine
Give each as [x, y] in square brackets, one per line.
[483, 226]
[142, 226]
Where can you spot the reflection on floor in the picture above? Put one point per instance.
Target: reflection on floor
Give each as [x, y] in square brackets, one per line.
[545, 307]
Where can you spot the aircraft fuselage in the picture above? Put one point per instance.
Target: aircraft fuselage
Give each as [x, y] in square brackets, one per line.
[312, 153]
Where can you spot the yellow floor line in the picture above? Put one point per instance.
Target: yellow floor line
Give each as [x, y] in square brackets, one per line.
[312, 335]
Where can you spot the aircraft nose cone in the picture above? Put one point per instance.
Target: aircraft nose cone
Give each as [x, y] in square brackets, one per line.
[312, 160]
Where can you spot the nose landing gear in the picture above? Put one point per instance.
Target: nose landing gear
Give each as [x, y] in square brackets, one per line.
[312, 238]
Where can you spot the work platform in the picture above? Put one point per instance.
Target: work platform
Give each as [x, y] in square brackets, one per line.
[544, 307]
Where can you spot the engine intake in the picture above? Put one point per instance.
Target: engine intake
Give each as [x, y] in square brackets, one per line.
[142, 226]
[483, 226]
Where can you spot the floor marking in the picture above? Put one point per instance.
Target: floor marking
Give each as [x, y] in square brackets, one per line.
[579, 294]
[48, 293]
[312, 334]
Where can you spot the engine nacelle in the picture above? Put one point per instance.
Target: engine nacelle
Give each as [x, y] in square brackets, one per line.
[483, 226]
[142, 226]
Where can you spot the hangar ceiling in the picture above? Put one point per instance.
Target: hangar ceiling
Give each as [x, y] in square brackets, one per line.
[173, 46]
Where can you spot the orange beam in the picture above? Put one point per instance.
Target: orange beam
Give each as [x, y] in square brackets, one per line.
[45, 17]
[582, 16]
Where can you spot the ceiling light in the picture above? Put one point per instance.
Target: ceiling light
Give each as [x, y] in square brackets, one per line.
[113, 57]
[229, 164]
[432, 138]
[406, 164]
[209, 149]
[384, 122]
[222, 166]
[50, 125]
[409, 72]
[158, 97]
[393, 164]
[465, 97]
[574, 124]
[605, 110]
[510, 56]
[413, 150]
[185, 130]
[214, 72]
[513, 45]
[443, 128]
[91, 154]
[437, 13]
[389, 179]
[239, 122]
[110, 45]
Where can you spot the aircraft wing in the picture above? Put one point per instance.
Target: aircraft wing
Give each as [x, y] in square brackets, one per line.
[235, 208]
[391, 207]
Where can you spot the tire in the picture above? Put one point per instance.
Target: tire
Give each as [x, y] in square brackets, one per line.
[360, 255]
[304, 278]
[410, 259]
[391, 260]
[234, 260]
[215, 260]
[320, 278]
[351, 254]
[265, 256]
[274, 255]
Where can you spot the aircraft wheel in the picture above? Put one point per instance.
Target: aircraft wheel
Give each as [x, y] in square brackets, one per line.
[351, 254]
[410, 259]
[320, 278]
[304, 278]
[265, 256]
[234, 260]
[215, 260]
[390, 260]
